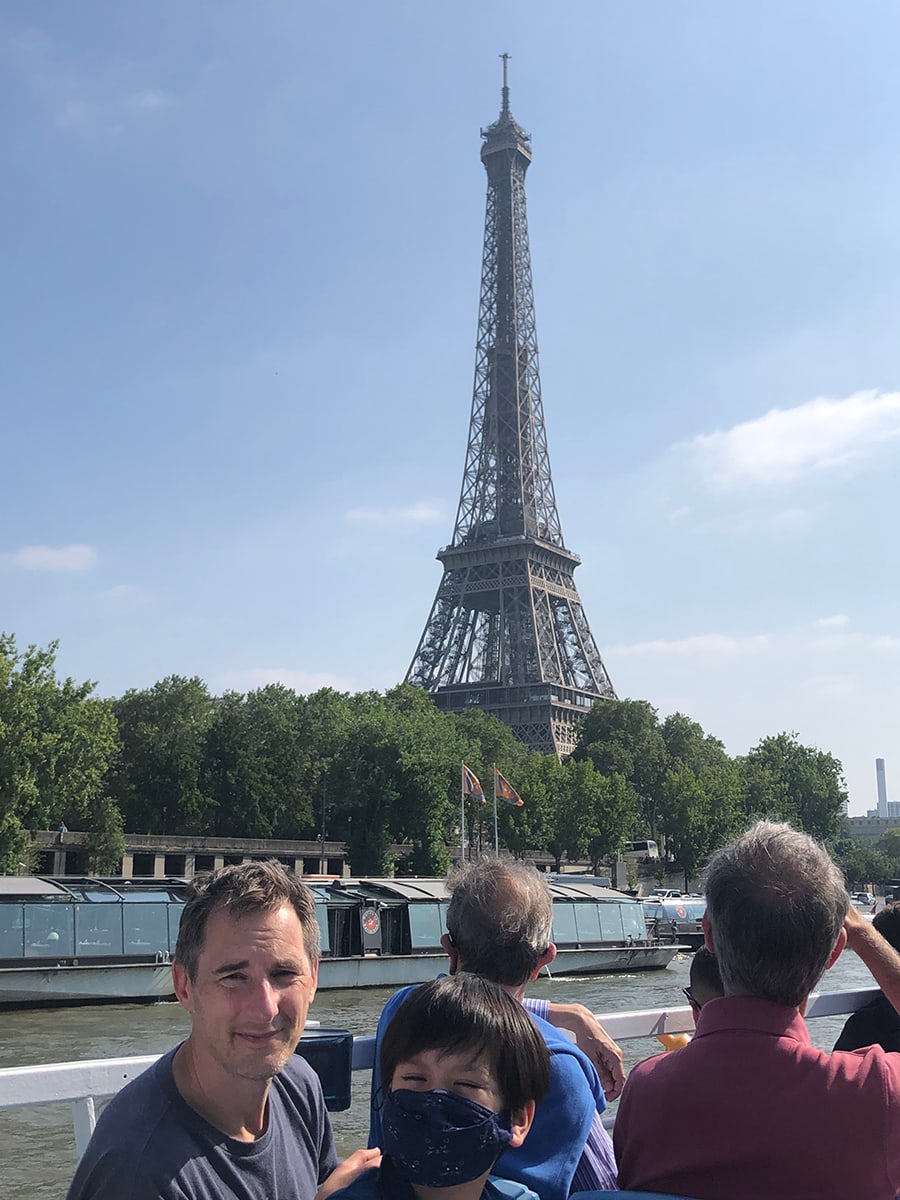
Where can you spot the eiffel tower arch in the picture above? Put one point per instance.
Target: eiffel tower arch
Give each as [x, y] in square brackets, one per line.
[507, 632]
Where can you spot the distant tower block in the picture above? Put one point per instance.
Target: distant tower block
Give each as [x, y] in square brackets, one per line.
[881, 785]
[507, 633]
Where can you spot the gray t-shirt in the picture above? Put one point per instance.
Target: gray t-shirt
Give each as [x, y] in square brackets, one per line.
[149, 1144]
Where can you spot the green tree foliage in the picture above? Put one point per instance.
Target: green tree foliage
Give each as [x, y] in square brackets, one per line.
[367, 780]
[105, 845]
[255, 767]
[623, 737]
[785, 781]
[686, 743]
[425, 811]
[613, 815]
[701, 792]
[377, 770]
[864, 864]
[157, 778]
[702, 811]
[889, 845]
[56, 743]
[484, 742]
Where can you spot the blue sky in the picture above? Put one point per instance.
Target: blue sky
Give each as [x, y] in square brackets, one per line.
[241, 254]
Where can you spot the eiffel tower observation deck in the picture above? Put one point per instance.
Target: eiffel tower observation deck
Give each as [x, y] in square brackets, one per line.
[507, 632]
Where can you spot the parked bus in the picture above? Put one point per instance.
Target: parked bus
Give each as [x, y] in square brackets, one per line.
[643, 849]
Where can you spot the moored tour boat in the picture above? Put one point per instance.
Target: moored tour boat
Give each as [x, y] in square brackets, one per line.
[65, 941]
[676, 919]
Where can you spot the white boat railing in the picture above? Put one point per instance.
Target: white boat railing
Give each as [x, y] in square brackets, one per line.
[81, 1083]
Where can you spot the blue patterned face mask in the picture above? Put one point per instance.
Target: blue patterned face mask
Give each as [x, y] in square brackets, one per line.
[439, 1139]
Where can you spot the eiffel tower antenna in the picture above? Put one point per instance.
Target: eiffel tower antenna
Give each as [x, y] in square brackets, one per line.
[507, 633]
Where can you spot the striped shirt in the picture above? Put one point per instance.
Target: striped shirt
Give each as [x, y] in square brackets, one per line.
[596, 1170]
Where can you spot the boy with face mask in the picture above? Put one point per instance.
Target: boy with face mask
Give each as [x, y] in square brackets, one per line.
[463, 1066]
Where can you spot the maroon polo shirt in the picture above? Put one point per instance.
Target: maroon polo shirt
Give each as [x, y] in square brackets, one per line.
[750, 1109]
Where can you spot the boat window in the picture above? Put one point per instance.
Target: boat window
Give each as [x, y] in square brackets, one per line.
[324, 937]
[146, 929]
[175, 911]
[343, 930]
[587, 922]
[49, 930]
[12, 931]
[98, 929]
[564, 928]
[611, 921]
[394, 929]
[633, 920]
[425, 926]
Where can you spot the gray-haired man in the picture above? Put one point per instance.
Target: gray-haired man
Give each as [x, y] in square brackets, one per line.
[499, 927]
[750, 1107]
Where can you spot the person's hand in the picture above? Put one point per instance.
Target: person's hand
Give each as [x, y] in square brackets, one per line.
[349, 1170]
[593, 1040]
[856, 927]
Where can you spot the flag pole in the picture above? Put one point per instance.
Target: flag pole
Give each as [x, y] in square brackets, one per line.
[496, 839]
[462, 813]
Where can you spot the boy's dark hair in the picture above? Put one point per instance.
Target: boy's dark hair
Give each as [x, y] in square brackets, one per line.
[887, 922]
[706, 982]
[240, 890]
[467, 1013]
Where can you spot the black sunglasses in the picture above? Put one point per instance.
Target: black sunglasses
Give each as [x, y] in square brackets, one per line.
[690, 997]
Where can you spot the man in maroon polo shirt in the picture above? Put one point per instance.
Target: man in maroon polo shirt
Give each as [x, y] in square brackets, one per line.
[750, 1108]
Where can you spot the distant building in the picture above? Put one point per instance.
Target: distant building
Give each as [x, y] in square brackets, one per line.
[871, 827]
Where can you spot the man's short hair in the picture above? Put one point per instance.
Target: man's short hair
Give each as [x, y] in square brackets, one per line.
[706, 982]
[500, 919]
[468, 1014]
[887, 922]
[776, 904]
[239, 891]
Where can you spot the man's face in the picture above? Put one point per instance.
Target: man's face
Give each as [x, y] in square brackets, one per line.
[253, 988]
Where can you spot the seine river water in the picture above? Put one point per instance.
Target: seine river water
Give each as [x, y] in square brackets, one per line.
[37, 1156]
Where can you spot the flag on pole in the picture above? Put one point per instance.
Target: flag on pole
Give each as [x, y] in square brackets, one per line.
[471, 785]
[503, 791]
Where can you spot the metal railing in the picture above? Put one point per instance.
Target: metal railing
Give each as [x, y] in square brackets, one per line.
[81, 1083]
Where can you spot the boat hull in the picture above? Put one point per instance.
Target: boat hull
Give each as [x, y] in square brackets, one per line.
[123, 982]
[85, 985]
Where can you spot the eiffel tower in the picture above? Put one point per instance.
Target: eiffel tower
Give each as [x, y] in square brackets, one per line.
[507, 633]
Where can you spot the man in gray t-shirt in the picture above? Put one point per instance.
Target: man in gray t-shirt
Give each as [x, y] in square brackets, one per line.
[232, 1113]
[151, 1145]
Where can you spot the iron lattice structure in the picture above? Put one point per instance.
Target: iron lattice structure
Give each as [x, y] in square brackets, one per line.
[507, 632]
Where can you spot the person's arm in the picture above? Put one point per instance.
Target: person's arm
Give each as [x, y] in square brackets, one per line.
[876, 952]
[593, 1040]
[348, 1171]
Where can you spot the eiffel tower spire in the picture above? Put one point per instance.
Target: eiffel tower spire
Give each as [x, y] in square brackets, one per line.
[507, 632]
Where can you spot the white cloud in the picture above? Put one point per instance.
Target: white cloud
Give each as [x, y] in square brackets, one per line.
[82, 101]
[706, 645]
[423, 512]
[831, 687]
[152, 99]
[126, 595]
[856, 643]
[712, 647]
[787, 444]
[784, 525]
[251, 678]
[76, 557]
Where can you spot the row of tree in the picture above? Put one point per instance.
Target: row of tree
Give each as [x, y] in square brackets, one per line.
[372, 770]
